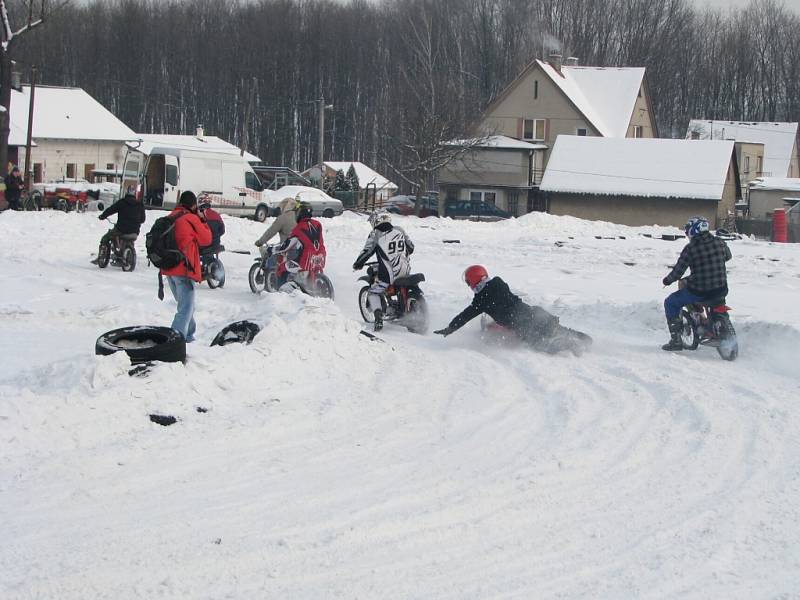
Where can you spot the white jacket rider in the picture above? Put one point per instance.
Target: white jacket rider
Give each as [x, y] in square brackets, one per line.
[392, 247]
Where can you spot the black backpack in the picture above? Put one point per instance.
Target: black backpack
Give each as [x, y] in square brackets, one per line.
[162, 248]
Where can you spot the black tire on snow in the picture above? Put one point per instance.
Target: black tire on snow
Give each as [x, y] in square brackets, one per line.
[143, 343]
[689, 335]
[128, 259]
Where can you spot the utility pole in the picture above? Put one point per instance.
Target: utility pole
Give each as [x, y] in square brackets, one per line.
[321, 151]
[29, 141]
[247, 115]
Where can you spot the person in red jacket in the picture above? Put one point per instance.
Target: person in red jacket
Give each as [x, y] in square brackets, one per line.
[191, 232]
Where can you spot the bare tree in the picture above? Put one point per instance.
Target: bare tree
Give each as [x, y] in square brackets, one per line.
[8, 40]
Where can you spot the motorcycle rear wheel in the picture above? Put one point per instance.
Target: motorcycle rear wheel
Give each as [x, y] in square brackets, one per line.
[689, 336]
[128, 259]
[728, 347]
[216, 274]
[323, 288]
[417, 315]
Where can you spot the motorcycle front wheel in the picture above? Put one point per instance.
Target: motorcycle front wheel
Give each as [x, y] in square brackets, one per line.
[256, 278]
[103, 255]
[689, 336]
[363, 305]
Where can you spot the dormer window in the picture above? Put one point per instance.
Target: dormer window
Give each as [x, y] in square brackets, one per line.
[581, 131]
[638, 131]
[535, 89]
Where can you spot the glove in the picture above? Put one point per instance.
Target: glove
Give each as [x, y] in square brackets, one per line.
[101, 217]
[666, 281]
[259, 243]
[356, 266]
[444, 332]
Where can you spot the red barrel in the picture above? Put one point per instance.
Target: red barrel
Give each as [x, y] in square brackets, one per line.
[780, 230]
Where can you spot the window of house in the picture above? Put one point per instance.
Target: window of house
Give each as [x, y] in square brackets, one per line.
[695, 135]
[759, 165]
[87, 171]
[513, 202]
[71, 168]
[536, 89]
[746, 164]
[638, 131]
[580, 131]
[110, 167]
[477, 196]
[37, 172]
[533, 129]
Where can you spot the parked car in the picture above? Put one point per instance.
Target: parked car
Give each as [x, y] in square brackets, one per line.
[474, 211]
[406, 204]
[322, 205]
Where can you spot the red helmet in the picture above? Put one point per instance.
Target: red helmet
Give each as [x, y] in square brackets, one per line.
[474, 274]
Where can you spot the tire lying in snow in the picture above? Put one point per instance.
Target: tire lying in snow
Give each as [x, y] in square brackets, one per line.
[143, 343]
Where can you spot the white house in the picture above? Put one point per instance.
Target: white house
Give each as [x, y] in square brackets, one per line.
[779, 141]
[72, 133]
[366, 177]
[642, 181]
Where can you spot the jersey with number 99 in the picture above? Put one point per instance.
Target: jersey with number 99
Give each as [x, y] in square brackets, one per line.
[392, 249]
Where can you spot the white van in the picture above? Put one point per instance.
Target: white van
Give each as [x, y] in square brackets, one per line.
[162, 172]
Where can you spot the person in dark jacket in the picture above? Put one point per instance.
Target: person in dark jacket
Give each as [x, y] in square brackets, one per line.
[130, 216]
[532, 324]
[706, 256]
[14, 186]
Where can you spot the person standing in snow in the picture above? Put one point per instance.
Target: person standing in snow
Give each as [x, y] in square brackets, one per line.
[706, 256]
[14, 186]
[392, 247]
[532, 324]
[191, 232]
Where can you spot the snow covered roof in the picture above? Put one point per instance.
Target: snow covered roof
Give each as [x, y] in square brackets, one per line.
[638, 167]
[605, 95]
[65, 113]
[791, 184]
[778, 139]
[209, 143]
[364, 173]
[502, 142]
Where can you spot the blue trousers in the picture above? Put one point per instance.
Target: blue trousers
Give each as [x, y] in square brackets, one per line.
[677, 300]
[183, 291]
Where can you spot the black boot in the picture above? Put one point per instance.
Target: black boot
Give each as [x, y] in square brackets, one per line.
[675, 327]
[378, 320]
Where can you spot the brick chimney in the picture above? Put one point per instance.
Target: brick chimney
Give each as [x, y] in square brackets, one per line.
[555, 61]
[200, 133]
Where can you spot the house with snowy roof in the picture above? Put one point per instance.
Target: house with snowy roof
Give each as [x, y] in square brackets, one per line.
[768, 193]
[73, 133]
[367, 177]
[778, 143]
[546, 100]
[642, 181]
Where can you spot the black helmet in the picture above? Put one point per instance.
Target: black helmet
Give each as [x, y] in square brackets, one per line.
[302, 211]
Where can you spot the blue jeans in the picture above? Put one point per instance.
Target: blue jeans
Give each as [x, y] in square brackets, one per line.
[677, 300]
[183, 292]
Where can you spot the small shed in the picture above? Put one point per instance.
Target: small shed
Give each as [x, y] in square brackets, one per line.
[642, 181]
[768, 193]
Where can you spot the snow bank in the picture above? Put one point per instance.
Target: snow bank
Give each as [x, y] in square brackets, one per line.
[315, 463]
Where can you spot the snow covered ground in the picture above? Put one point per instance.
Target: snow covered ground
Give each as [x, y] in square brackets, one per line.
[329, 466]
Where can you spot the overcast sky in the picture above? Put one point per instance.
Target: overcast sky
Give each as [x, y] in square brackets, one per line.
[793, 4]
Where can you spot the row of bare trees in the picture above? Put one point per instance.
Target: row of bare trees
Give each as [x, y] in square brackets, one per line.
[401, 74]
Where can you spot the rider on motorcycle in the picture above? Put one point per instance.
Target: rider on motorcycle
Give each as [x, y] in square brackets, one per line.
[283, 225]
[392, 247]
[304, 248]
[706, 256]
[131, 215]
[532, 324]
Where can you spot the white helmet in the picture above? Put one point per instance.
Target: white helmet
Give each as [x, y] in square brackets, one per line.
[378, 218]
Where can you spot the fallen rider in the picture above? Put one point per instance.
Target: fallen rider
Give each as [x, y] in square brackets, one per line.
[531, 324]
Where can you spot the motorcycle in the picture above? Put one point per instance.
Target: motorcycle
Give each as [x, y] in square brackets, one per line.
[119, 251]
[403, 301]
[211, 267]
[708, 324]
[562, 339]
[263, 275]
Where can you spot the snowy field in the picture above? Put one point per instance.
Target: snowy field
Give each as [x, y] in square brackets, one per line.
[329, 466]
